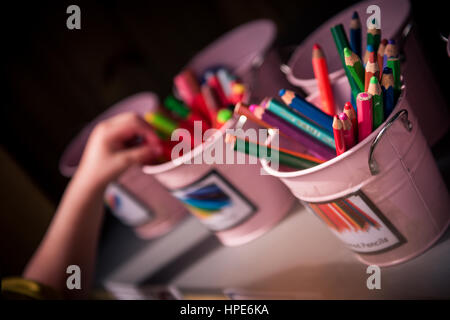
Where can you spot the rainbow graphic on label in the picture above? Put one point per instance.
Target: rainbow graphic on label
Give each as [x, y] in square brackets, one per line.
[216, 202]
[206, 201]
[356, 221]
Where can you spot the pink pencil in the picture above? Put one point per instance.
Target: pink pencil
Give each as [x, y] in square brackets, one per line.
[364, 104]
[349, 134]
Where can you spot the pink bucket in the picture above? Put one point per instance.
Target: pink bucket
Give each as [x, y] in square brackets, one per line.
[138, 200]
[247, 51]
[395, 16]
[384, 198]
[228, 198]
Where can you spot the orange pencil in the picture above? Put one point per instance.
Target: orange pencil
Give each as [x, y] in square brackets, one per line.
[321, 73]
[338, 133]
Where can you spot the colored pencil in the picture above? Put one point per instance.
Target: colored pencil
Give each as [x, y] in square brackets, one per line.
[371, 70]
[212, 102]
[394, 64]
[213, 83]
[303, 124]
[338, 134]
[341, 42]
[353, 64]
[377, 102]
[355, 34]
[321, 74]
[364, 103]
[380, 55]
[391, 51]
[297, 161]
[306, 109]
[315, 147]
[374, 36]
[223, 115]
[161, 123]
[244, 110]
[349, 134]
[387, 87]
[349, 110]
[369, 50]
[181, 111]
[187, 86]
[225, 79]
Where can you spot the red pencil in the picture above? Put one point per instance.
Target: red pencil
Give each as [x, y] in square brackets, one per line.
[321, 73]
[187, 86]
[212, 103]
[214, 83]
[349, 134]
[372, 70]
[338, 135]
[351, 114]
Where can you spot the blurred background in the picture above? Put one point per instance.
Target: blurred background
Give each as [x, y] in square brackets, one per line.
[56, 80]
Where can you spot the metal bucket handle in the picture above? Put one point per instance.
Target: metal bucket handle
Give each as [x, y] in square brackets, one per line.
[402, 115]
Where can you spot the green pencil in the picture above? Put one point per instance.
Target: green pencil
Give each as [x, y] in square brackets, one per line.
[377, 102]
[354, 65]
[394, 64]
[374, 36]
[341, 41]
[255, 149]
[303, 124]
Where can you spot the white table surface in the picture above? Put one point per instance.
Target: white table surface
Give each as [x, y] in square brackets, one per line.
[299, 258]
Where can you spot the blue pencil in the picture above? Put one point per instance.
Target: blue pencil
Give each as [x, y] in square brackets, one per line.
[387, 86]
[300, 122]
[355, 34]
[307, 110]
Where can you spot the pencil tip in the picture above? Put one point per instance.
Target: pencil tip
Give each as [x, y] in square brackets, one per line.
[387, 70]
[348, 105]
[373, 80]
[316, 47]
[282, 92]
[391, 41]
[355, 15]
[347, 52]
[370, 48]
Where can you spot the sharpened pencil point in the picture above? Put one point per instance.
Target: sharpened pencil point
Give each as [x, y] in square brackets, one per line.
[373, 80]
[387, 70]
[355, 15]
[347, 52]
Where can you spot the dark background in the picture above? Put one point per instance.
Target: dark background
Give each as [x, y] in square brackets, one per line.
[56, 80]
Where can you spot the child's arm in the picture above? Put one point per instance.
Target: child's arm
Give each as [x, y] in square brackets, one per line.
[73, 234]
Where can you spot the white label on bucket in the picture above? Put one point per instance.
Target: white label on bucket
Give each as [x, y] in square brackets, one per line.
[125, 207]
[358, 223]
[215, 202]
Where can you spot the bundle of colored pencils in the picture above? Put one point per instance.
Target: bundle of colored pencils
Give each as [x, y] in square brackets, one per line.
[297, 119]
[375, 84]
[324, 132]
[207, 101]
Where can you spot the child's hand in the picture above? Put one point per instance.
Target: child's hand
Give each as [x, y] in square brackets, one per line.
[112, 148]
